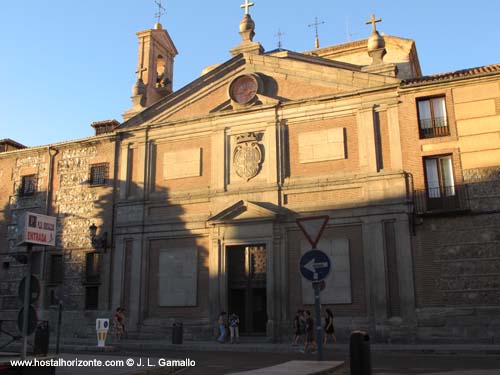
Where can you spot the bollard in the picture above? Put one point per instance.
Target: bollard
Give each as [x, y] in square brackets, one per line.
[102, 327]
[42, 336]
[360, 357]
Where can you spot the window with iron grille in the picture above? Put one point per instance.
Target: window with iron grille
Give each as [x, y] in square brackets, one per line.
[92, 267]
[432, 117]
[98, 174]
[56, 269]
[28, 185]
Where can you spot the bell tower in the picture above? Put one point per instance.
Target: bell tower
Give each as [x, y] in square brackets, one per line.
[154, 69]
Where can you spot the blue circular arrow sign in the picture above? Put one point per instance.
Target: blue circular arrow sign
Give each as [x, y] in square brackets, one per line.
[315, 265]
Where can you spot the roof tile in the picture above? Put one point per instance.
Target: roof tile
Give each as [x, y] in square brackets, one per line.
[487, 69]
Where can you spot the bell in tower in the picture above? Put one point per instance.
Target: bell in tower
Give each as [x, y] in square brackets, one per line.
[154, 68]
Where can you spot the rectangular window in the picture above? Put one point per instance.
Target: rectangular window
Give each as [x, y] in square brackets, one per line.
[92, 267]
[28, 185]
[56, 269]
[439, 176]
[441, 192]
[98, 174]
[91, 297]
[432, 117]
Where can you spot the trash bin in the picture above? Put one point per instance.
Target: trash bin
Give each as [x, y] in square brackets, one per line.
[177, 333]
[42, 336]
[359, 348]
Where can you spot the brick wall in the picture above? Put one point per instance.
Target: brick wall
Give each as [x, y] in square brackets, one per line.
[413, 147]
[298, 169]
[203, 106]
[173, 185]
[294, 89]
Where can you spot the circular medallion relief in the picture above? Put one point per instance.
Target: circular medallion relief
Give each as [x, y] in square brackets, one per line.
[243, 89]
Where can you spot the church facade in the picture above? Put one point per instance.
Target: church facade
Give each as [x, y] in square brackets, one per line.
[198, 192]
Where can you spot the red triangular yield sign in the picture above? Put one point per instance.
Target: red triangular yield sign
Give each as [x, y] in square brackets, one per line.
[313, 227]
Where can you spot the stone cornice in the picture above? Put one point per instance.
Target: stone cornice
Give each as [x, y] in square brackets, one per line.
[60, 145]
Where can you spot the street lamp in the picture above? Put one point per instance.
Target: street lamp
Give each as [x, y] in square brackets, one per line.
[98, 242]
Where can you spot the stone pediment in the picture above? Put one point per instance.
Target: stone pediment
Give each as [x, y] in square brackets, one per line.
[246, 211]
[285, 78]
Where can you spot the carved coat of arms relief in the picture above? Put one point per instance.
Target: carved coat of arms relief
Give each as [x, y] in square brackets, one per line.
[247, 156]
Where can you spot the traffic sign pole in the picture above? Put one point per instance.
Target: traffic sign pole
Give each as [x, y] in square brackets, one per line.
[319, 329]
[27, 298]
[315, 266]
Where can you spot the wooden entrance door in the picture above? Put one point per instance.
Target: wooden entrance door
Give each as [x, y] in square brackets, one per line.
[247, 287]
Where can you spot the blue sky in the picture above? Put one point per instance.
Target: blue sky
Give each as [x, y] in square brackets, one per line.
[68, 63]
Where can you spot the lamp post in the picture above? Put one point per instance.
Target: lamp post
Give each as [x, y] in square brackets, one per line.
[98, 242]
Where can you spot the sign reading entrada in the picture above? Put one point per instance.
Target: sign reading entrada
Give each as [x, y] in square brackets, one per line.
[37, 229]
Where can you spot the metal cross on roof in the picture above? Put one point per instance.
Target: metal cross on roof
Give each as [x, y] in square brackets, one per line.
[279, 35]
[161, 10]
[316, 24]
[139, 72]
[247, 5]
[373, 21]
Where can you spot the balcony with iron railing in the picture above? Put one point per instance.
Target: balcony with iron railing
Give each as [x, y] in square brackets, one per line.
[441, 200]
[434, 127]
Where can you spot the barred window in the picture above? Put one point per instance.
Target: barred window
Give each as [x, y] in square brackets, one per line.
[28, 185]
[98, 174]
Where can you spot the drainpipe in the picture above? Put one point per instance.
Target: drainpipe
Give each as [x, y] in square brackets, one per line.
[48, 202]
[118, 138]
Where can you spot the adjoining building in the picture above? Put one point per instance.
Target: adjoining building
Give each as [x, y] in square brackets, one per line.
[198, 191]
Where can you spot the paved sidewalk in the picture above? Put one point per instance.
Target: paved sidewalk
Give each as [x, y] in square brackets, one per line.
[454, 372]
[144, 345]
[296, 368]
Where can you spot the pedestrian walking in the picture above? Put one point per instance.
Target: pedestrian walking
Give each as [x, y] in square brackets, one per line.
[119, 323]
[234, 328]
[299, 325]
[329, 327]
[222, 327]
[310, 344]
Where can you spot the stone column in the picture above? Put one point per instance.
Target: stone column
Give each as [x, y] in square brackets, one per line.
[394, 138]
[213, 270]
[218, 159]
[272, 268]
[141, 166]
[117, 273]
[281, 280]
[375, 279]
[405, 268]
[366, 140]
[272, 153]
[135, 284]
[123, 172]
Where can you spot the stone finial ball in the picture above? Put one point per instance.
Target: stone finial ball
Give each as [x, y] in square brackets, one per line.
[375, 41]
